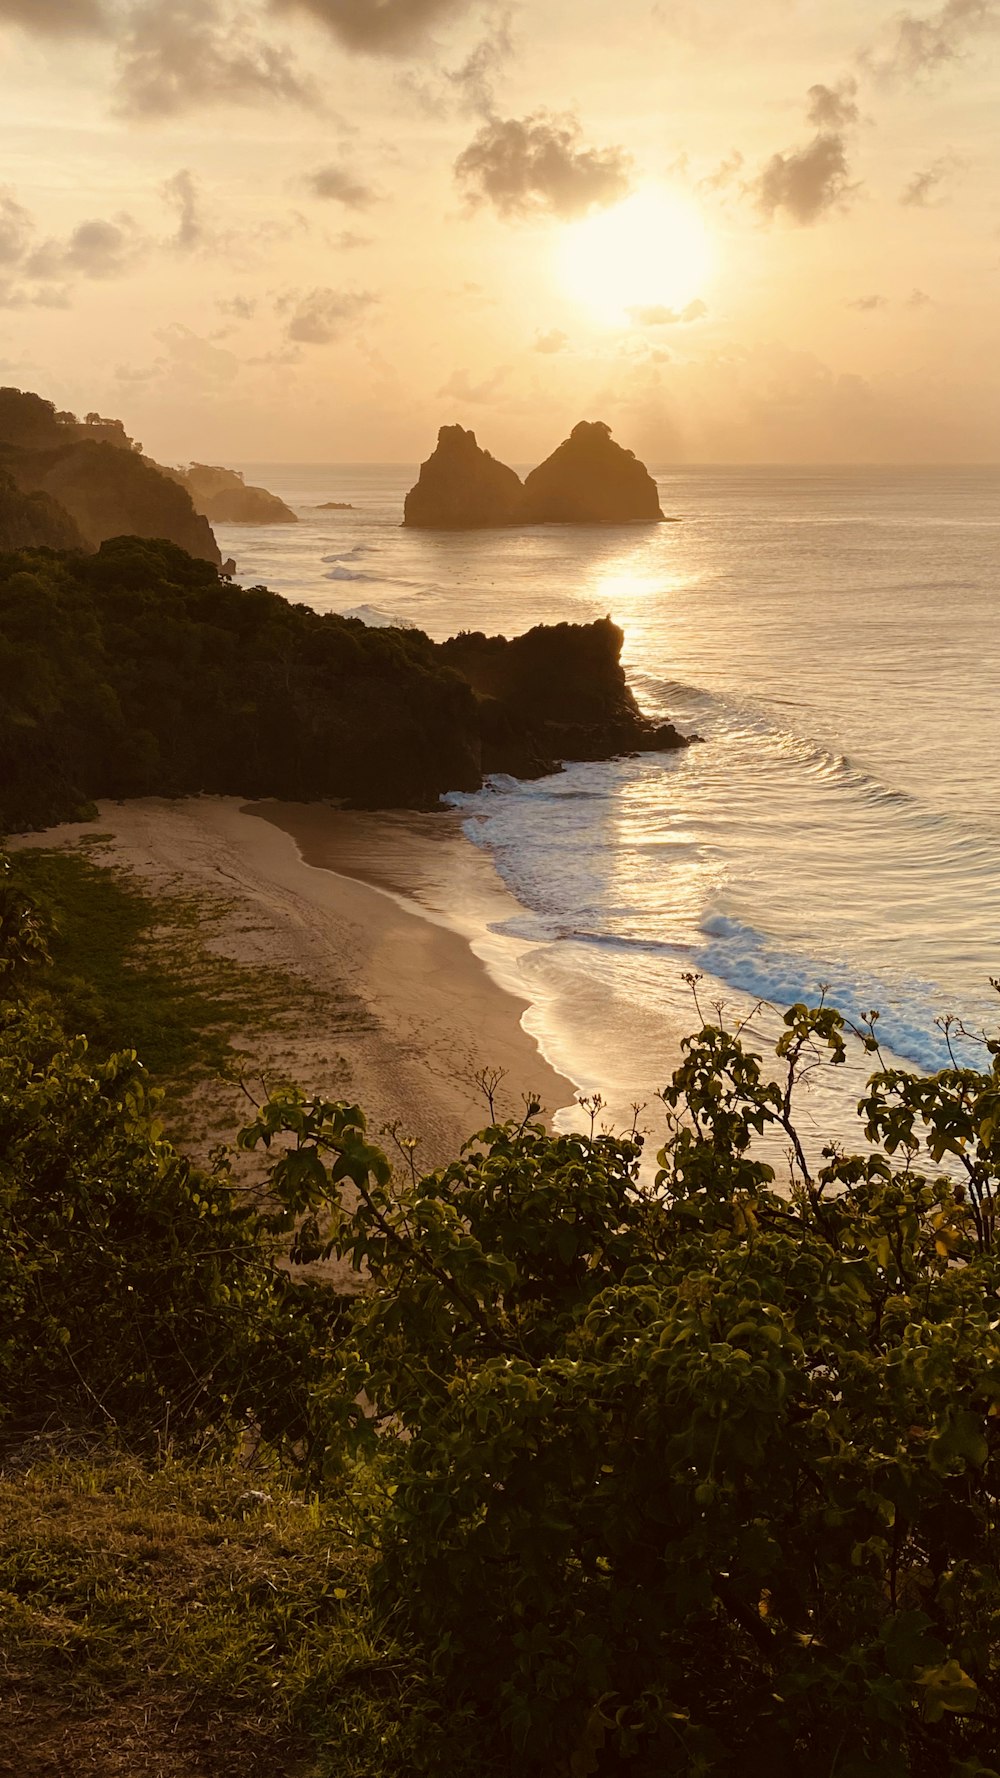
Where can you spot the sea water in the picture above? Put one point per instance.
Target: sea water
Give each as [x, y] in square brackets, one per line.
[833, 635]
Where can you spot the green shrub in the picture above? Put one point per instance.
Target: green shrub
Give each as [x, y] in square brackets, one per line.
[695, 1476]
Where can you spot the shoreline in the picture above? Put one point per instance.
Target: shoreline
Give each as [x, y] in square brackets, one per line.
[415, 1009]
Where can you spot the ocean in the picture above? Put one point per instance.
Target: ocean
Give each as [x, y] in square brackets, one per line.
[833, 635]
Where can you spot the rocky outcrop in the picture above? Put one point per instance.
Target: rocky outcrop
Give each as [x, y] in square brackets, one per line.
[591, 480]
[557, 693]
[588, 480]
[33, 521]
[97, 475]
[462, 487]
[334, 506]
[224, 498]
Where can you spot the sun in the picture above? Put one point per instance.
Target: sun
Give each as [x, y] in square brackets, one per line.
[650, 253]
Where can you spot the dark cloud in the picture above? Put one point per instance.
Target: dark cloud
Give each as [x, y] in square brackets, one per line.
[656, 315]
[524, 166]
[807, 183]
[868, 304]
[181, 193]
[553, 341]
[925, 185]
[379, 27]
[922, 44]
[55, 18]
[191, 53]
[96, 249]
[317, 317]
[343, 187]
[834, 107]
[17, 226]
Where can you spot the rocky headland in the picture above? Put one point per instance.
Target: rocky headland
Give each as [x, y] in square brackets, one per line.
[588, 480]
[166, 680]
[96, 479]
[224, 498]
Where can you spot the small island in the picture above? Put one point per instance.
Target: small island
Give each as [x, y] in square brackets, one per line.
[588, 480]
[334, 506]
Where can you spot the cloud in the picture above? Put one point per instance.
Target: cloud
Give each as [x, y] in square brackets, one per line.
[658, 316]
[343, 187]
[243, 308]
[96, 249]
[190, 53]
[378, 27]
[834, 107]
[553, 341]
[722, 175]
[922, 188]
[532, 165]
[17, 226]
[867, 304]
[55, 18]
[460, 387]
[807, 183]
[196, 360]
[921, 45]
[475, 79]
[918, 299]
[181, 193]
[349, 241]
[320, 316]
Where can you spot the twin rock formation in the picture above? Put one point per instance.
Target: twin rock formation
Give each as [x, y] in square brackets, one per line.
[589, 480]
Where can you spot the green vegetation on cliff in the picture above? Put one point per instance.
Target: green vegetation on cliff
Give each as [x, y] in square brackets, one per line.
[697, 1475]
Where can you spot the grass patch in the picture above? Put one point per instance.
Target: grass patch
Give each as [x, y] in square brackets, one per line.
[135, 972]
[192, 1621]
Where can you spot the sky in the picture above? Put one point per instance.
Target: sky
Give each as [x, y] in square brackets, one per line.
[316, 230]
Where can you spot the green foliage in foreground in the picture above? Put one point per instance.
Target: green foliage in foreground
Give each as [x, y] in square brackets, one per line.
[682, 1476]
[697, 1477]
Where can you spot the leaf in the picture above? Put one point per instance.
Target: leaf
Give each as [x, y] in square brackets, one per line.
[947, 1688]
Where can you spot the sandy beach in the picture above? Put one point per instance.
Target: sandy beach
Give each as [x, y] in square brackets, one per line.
[414, 1013]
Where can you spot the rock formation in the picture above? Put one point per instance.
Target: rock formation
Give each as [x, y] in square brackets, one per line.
[591, 480]
[97, 475]
[334, 506]
[223, 497]
[462, 487]
[557, 693]
[588, 480]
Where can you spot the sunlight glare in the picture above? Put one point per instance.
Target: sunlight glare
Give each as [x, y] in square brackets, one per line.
[649, 254]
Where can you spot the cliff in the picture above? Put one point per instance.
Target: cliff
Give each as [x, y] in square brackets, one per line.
[33, 521]
[164, 680]
[96, 474]
[224, 498]
[589, 480]
[461, 487]
[557, 693]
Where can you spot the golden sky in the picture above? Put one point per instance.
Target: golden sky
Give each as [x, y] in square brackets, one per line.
[314, 230]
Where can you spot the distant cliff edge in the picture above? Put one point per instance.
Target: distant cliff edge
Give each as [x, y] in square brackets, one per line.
[224, 498]
[588, 480]
[96, 477]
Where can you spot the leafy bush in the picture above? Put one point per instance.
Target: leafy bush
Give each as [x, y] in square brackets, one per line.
[699, 1475]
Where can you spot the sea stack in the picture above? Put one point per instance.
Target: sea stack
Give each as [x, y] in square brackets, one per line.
[591, 480]
[462, 487]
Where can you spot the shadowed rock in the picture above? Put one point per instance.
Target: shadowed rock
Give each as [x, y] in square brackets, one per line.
[591, 480]
[33, 521]
[462, 487]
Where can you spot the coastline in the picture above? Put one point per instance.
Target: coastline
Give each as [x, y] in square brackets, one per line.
[415, 1012]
